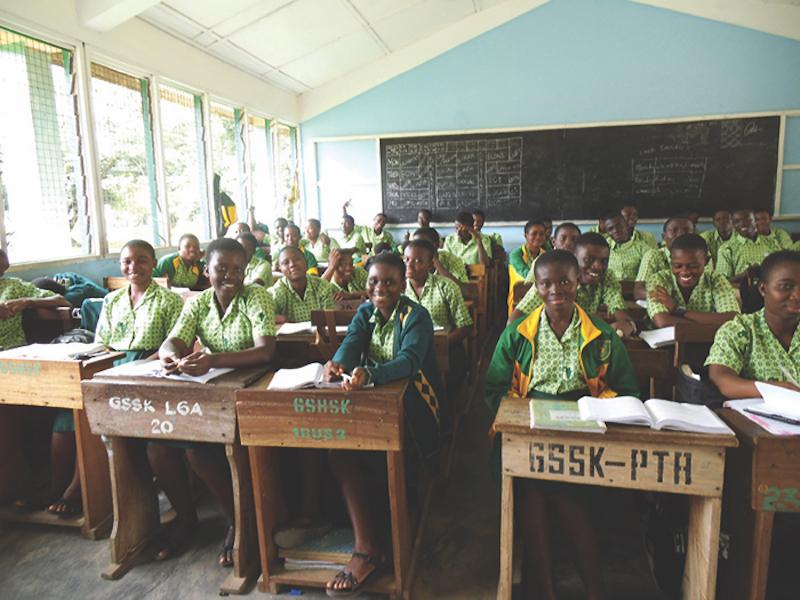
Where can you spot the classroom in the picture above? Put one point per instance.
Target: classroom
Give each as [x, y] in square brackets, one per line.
[406, 299]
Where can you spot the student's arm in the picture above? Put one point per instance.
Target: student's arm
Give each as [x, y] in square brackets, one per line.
[261, 353]
[333, 262]
[621, 376]
[251, 218]
[352, 348]
[624, 323]
[461, 319]
[730, 384]
[326, 295]
[416, 339]
[483, 258]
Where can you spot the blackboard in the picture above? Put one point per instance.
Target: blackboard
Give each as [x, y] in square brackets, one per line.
[577, 173]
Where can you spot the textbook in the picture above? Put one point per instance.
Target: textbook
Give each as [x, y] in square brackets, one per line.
[657, 338]
[561, 415]
[299, 327]
[656, 414]
[309, 376]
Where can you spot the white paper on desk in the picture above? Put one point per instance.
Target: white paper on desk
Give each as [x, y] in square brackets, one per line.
[152, 368]
[779, 400]
[656, 338]
[52, 351]
[301, 327]
[771, 425]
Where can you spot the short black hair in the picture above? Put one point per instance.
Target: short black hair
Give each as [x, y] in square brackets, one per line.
[249, 238]
[566, 225]
[764, 210]
[381, 214]
[533, 222]
[480, 213]
[555, 257]
[675, 218]
[429, 233]
[144, 245]
[776, 259]
[246, 226]
[292, 226]
[465, 218]
[188, 236]
[689, 241]
[426, 211]
[315, 222]
[225, 245]
[390, 259]
[423, 244]
[609, 214]
[592, 238]
[281, 222]
[383, 247]
[349, 219]
[292, 249]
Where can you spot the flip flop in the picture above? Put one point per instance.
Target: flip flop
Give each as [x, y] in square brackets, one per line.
[33, 503]
[169, 545]
[355, 587]
[66, 508]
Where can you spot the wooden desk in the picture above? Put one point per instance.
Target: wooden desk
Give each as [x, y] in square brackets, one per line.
[762, 478]
[692, 343]
[624, 457]
[371, 420]
[169, 410]
[57, 384]
[653, 366]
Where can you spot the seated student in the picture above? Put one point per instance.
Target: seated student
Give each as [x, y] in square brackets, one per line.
[765, 345]
[257, 271]
[558, 351]
[548, 225]
[565, 237]
[779, 237]
[626, 253]
[424, 217]
[348, 280]
[237, 229]
[723, 229]
[521, 259]
[687, 292]
[183, 268]
[630, 213]
[318, 243]
[375, 235]
[259, 230]
[597, 286]
[478, 221]
[446, 263]
[389, 339]
[235, 323]
[657, 259]
[291, 237]
[297, 293]
[278, 231]
[739, 257]
[351, 237]
[467, 243]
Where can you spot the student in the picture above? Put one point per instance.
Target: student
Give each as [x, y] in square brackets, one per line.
[597, 286]
[351, 236]
[630, 213]
[259, 230]
[521, 259]
[548, 225]
[723, 229]
[558, 351]
[626, 253]
[657, 259]
[446, 263]
[389, 339]
[779, 237]
[237, 229]
[478, 221]
[372, 236]
[467, 243]
[765, 345]
[258, 271]
[235, 323]
[687, 292]
[740, 256]
[183, 268]
[318, 243]
[565, 237]
[424, 217]
[276, 239]
[348, 280]
[291, 238]
[297, 293]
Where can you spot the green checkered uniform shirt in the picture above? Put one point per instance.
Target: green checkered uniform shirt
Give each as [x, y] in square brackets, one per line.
[648, 238]
[453, 264]
[713, 293]
[625, 259]
[12, 288]
[175, 270]
[467, 252]
[780, 238]
[357, 284]
[556, 366]
[318, 296]
[381, 344]
[713, 241]
[320, 251]
[739, 253]
[353, 240]
[654, 260]
[258, 269]
[443, 300]
[370, 237]
[590, 298]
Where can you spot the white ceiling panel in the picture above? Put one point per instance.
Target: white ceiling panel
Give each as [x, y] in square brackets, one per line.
[297, 30]
[421, 20]
[237, 56]
[286, 82]
[335, 59]
[210, 12]
[373, 10]
[250, 16]
[170, 20]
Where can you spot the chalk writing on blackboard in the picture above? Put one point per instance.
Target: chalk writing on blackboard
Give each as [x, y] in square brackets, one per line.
[664, 176]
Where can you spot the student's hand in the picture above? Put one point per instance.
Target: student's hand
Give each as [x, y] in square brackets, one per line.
[15, 307]
[357, 381]
[476, 235]
[170, 363]
[339, 296]
[661, 296]
[326, 241]
[347, 204]
[786, 384]
[280, 320]
[332, 371]
[334, 257]
[195, 363]
[626, 327]
[407, 236]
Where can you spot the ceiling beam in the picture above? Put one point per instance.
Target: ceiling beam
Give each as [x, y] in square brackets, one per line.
[105, 15]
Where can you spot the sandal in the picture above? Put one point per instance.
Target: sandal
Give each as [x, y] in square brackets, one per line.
[33, 502]
[66, 508]
[225, 558]
[173, 540]
[354, 586]
[298, 531]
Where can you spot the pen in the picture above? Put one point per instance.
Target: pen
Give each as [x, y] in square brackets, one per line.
[774, 417]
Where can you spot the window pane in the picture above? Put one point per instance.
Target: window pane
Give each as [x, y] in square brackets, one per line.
[264, 198]
[227, 150]
[184, 163]
[121, 109]
[41, 182]
[285, 168]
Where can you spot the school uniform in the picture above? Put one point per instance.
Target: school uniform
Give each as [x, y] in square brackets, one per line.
[625, 258]
[318, 296]
[746, 345]
[311, 261]
[354, 239]
[13, 288]
[454, 264]
[467, 252]
[175, 270]
[520, 264]
[713, 241]
[370, 237]
[358, 283]
[443, 300]
[644, 236]
[739, 253]
[590, 297]
[320, 251]
[258, 269]
[654, 260]
[779, 238]
[713, 293]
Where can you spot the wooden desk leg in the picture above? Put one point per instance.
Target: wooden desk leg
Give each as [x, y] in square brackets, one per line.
[94, 476]
[700, 573]
[136, 519]
[245, 545]
[505, 582]
[13, 472]
[270, 509]
[401, 527]
[755, 548]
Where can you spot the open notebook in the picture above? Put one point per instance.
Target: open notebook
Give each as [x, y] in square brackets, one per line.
[656, 414]
[656, 338]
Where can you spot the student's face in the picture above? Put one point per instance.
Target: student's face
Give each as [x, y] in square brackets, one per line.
[279, 227]
[723, 223]
[291, 237]
[419, 263]
[592, 263]
[782, 291]
[763, 221]
[347, 226]
[477, 221]
[423, 219]
[676, 228]
[292, 264]
[236, 230]
[617, 229]
[345, 267]
[249, 247]
[631, 216]
[136, 265]
[463, 231]
[385, 284]
[557, 285]
[312, 231]
[378, 223]
[189, 250]
[744, 223]
[566, 238]
[225, 271]
[535, 237]
[688, 267]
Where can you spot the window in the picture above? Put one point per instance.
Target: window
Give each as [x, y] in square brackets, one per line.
[182, 134]
[43, 205]
[287, 191]
[122, 124]
[264, 198]
[227, 154]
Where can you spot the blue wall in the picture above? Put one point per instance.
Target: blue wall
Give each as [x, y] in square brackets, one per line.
[579, 61]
